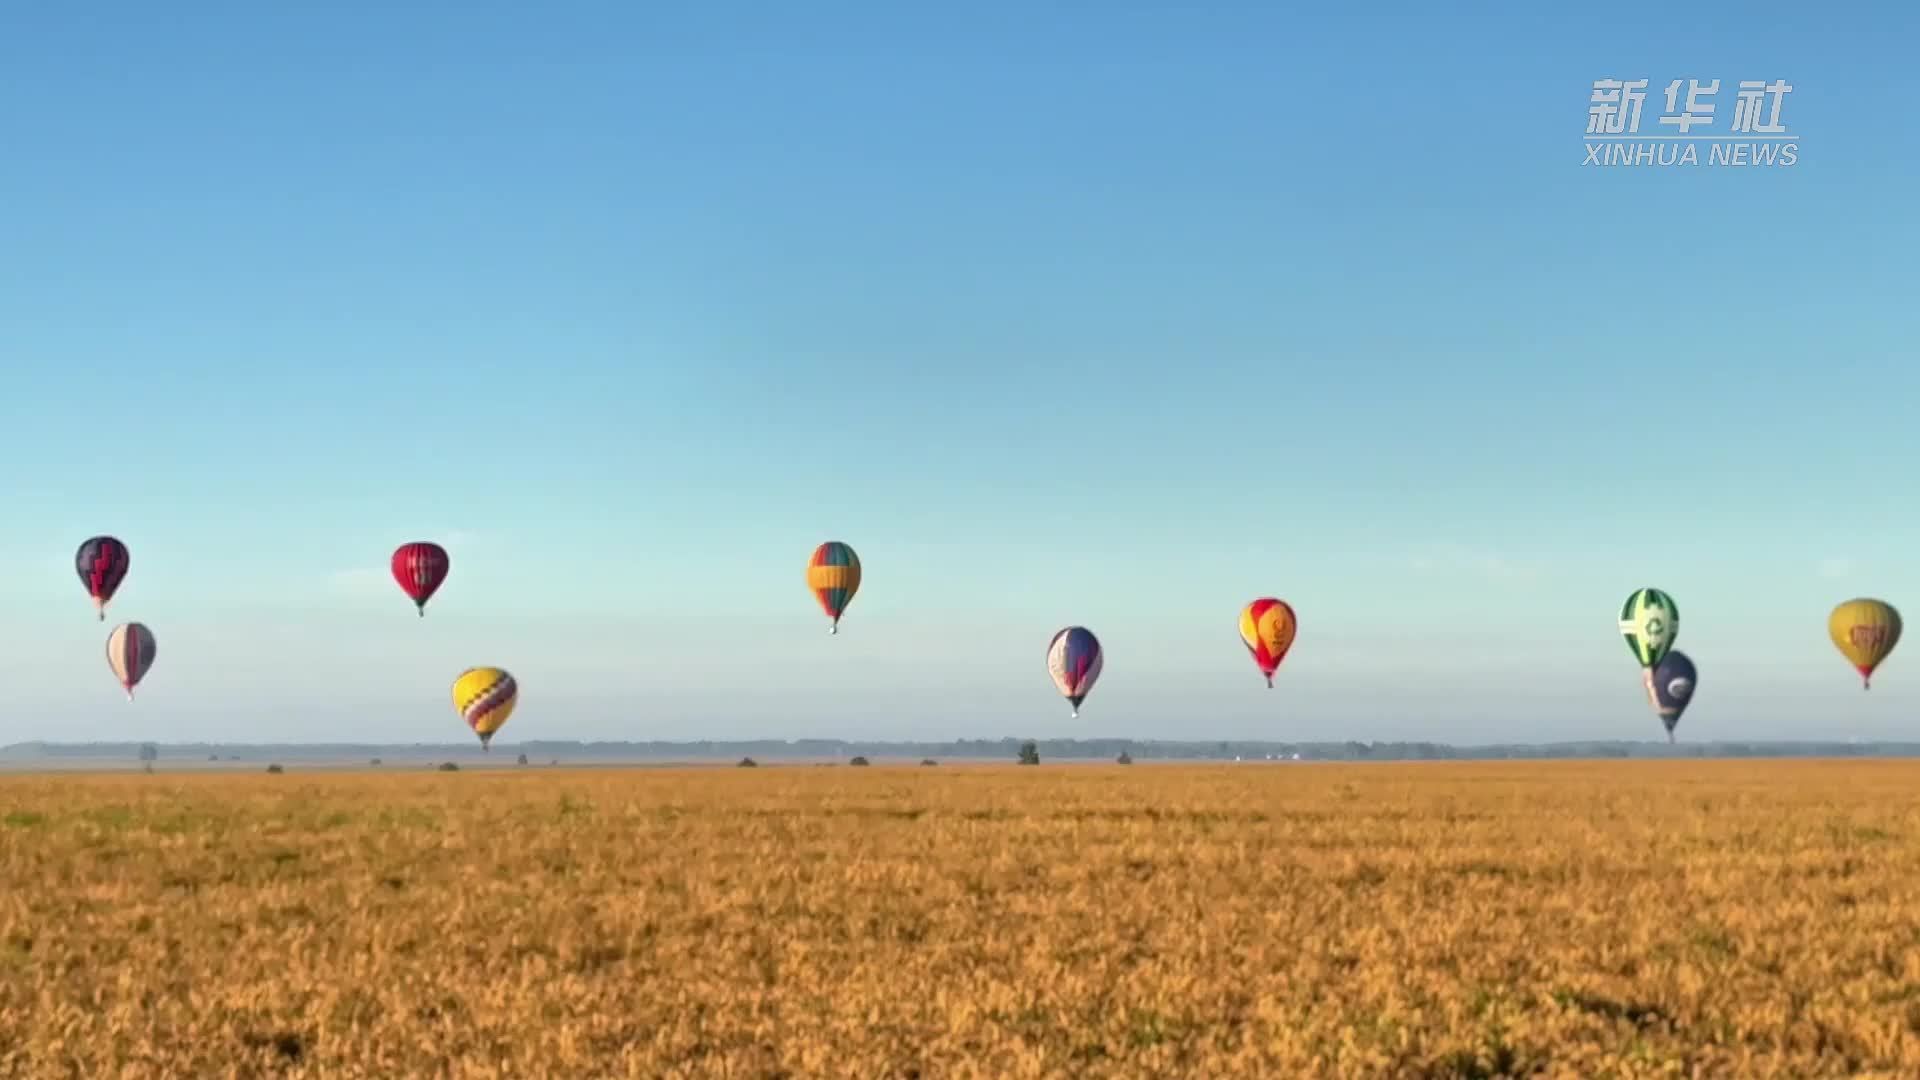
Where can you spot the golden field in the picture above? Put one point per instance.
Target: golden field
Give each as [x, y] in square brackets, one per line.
[1620, 919]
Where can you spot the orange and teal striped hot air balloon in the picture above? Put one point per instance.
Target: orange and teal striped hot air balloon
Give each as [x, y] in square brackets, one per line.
[834, 576]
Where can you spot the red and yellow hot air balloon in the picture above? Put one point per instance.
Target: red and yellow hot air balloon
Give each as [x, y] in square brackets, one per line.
[834, 576]
[1864, 631]
[485, 697]
[1267, 627]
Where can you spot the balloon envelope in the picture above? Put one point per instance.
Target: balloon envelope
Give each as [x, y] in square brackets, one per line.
[485, 697]
[1865, 631]
[1650, 621]
[1267, 628]
[833, 575]
[1074, 660]
[130, 653]
[102, 563]
[420, 567]
[1670, 687]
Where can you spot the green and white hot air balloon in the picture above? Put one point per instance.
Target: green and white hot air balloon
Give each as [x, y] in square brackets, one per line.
[1650, 622]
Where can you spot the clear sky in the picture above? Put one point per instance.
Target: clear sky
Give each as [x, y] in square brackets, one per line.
[1117, 314]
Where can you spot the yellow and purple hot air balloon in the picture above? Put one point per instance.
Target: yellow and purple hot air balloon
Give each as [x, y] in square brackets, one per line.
[1074, 660]
[833, 574]
[485, 697]
[1267, 629]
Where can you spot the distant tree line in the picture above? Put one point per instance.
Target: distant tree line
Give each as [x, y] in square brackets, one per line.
[1002, 749]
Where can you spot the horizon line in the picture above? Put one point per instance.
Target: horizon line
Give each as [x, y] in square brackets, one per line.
[959, 741]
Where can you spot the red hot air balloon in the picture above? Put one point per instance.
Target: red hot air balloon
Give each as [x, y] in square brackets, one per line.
[102, 564]
[420, 568]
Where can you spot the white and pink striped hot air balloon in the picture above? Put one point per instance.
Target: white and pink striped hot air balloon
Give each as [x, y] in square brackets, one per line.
[130, 652]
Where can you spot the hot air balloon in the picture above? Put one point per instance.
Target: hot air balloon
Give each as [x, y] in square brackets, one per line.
[1670, 687]
[1074, 660]
[1267, 627]
[1864, 631]
[1650, 622]
[485, 697]
[834, 576]
[420, 568]
[130, 652]
[102, 564]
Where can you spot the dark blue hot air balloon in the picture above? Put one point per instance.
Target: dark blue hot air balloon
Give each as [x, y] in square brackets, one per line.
[1670, 687]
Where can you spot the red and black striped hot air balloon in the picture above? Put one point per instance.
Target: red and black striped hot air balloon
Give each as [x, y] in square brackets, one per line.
[420, 568]
[102, 564]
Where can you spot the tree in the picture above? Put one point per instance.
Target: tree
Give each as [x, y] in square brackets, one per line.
[1124, 758]
[275, 768]
[148, 754]
[928, 761]
[858, 761]
[1029, 753]
[375, 763]
[747, 763]
[448, 766]
[523, 759]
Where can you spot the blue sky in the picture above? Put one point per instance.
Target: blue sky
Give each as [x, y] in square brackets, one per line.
[1110, 314]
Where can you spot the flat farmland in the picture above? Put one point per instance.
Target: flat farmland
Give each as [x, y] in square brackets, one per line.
[1617, 919]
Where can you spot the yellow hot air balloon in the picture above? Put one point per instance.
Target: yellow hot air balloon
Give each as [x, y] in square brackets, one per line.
[485, 697]
[1864, 631]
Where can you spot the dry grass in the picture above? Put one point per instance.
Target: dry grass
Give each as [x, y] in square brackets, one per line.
[1584, 920]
